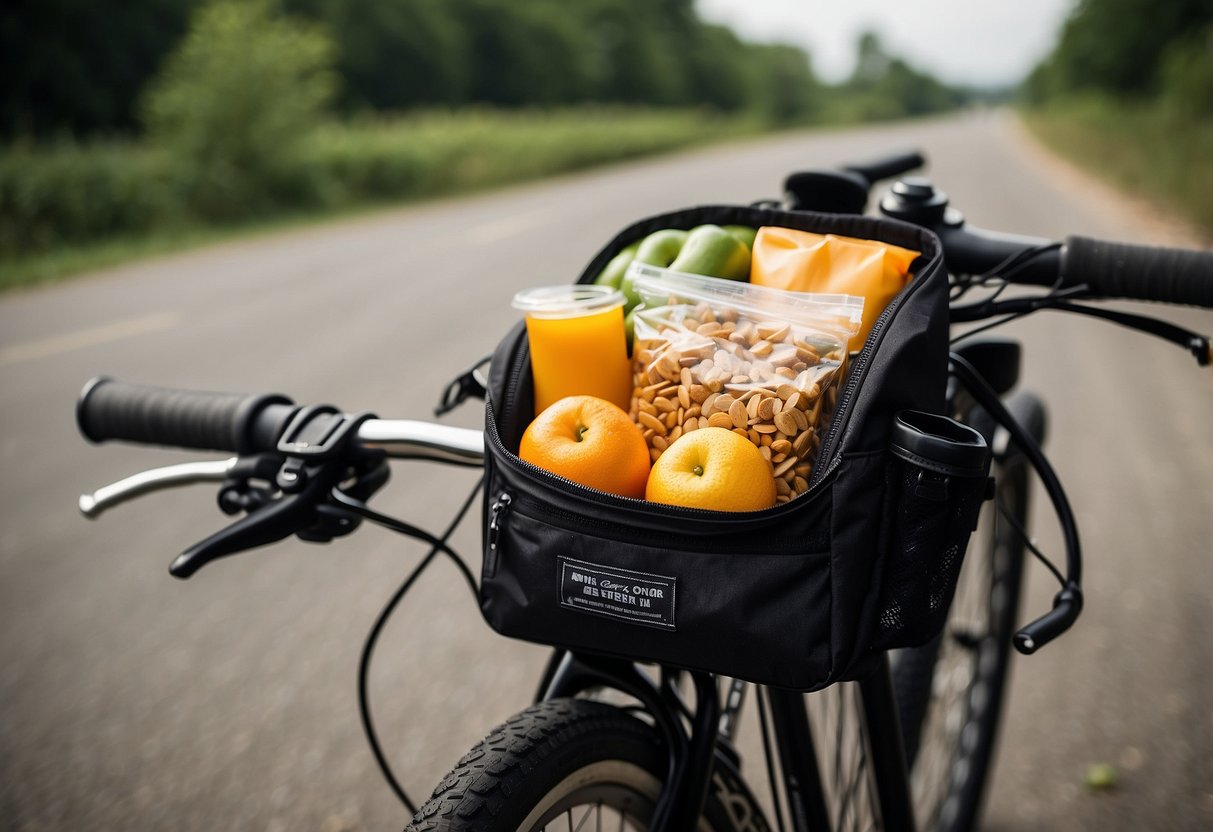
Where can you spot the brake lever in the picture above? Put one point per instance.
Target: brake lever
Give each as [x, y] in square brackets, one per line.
[274, 521]
[305, 510]
[309, 462]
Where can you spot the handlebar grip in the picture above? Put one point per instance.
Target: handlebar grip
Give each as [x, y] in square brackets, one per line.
[1067, 605]
[1156, 273]
[239, 422]
[888, 166]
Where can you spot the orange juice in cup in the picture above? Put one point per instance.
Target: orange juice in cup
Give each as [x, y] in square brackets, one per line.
[577, 343]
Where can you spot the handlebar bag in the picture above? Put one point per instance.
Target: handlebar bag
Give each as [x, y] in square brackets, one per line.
[789, 596]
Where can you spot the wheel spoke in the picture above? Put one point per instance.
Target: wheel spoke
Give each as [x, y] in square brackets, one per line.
[589, 810]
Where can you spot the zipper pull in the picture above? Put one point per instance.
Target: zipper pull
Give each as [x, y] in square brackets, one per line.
[496, 518]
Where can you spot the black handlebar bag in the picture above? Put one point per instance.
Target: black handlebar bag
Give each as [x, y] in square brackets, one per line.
[790, 596]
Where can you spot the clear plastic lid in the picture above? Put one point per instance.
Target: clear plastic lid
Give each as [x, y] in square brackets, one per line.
[567, 301]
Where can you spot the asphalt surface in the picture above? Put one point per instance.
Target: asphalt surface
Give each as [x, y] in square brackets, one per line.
[130, 700]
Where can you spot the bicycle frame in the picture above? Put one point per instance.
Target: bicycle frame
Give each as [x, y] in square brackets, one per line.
[691, 752]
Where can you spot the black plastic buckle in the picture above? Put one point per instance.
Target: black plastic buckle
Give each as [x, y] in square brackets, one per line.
[471, 384]
[319, 432]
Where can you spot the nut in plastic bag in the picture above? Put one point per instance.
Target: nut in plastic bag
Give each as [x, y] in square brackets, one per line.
[761, 362]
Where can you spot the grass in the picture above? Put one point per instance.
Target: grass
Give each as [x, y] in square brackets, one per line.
[1141, 148]
[75, 208]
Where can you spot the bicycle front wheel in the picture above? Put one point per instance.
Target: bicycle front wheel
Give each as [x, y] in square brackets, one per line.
[572, 764]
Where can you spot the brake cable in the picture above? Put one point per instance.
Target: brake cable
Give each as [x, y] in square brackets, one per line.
[1067, 604]
[437, 545]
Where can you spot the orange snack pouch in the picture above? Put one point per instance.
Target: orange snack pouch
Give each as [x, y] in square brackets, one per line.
[800, 261]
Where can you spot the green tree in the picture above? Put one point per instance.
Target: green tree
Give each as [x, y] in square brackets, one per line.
[235, 100]
[1186, 76]
[871, 61]
[719, 71]
[396, 55]
[635, 49]
[77, 66]
[785, 89]
[886, 87]
[1117, 46]
[525, 52]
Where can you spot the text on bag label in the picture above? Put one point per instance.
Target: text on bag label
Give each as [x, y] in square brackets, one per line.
[622, 594]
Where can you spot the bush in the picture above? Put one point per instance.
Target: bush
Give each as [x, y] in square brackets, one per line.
[77, 193]
[234, 102]
[69, 193]
[443, 152]
[1187, 76]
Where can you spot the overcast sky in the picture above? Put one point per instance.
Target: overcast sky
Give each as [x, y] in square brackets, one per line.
[980, 42]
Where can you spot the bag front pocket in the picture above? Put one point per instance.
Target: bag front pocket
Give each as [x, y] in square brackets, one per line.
[735, 605]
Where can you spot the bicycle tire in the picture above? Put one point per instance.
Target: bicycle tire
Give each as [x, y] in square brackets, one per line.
[562, 759]
[950, 691]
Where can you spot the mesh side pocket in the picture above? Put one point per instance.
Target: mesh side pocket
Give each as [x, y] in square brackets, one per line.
[933, 509]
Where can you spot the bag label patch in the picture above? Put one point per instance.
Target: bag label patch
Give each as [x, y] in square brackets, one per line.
[622, 594]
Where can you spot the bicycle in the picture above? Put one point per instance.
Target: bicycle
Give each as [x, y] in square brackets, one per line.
[607, 733]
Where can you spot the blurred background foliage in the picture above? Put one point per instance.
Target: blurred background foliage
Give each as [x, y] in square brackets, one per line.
[1128, 93]
[234, 103]
[79, 68]
[162, 114]
[132, 119]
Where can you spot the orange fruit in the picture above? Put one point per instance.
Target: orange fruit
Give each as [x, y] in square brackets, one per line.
[712, 468]
[589, 441]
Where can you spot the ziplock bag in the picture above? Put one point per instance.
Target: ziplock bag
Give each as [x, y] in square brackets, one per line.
[761, 362]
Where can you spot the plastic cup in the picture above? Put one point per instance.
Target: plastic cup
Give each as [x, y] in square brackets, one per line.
[577, 343]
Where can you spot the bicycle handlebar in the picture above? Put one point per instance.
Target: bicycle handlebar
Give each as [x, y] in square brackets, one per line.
[246, 423]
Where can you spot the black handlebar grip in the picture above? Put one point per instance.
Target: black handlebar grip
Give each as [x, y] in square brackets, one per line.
[888, 166]
[1116, 270]
[238, 422]
[1067, 606]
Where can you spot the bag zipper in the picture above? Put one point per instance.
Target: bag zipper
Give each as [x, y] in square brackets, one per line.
[573, 521]
[842, 414]
[516, 368]
[497, 519]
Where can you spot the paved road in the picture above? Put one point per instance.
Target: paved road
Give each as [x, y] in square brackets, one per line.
[133, 701]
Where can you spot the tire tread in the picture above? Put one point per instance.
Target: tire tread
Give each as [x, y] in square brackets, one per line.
[472, 795]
